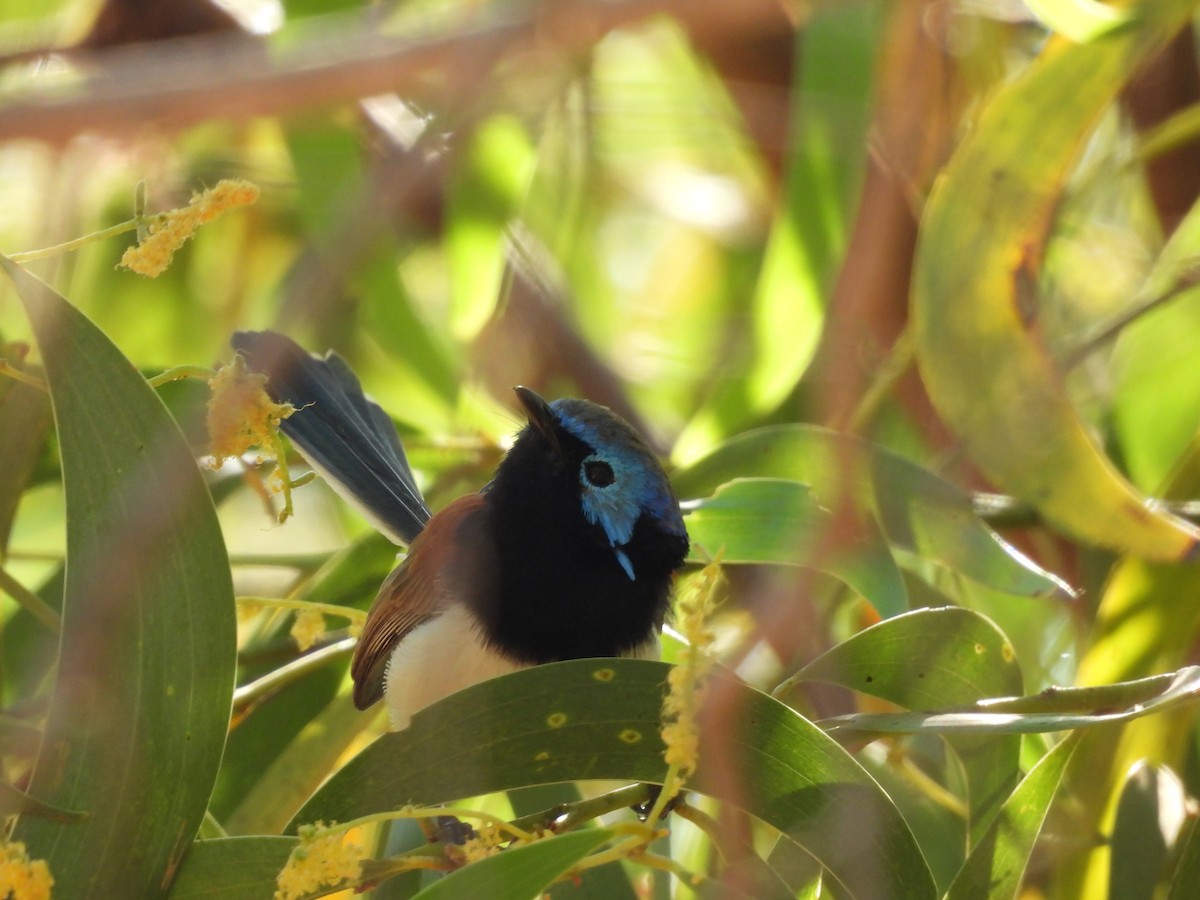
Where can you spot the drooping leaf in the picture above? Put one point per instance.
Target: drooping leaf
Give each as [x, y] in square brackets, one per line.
[770, 520]
[918, 511]
[996, 865]
[987, 373]
[600, 719]
[142, 695]
[938, 659]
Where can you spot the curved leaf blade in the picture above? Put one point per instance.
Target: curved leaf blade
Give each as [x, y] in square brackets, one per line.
[146, 665]
[937, 659]
[989, 377]
[918, 511]
[996, 865]
[770, 520]
[599, 719]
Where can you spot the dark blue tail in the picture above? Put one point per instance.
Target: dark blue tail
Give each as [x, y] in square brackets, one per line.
[346, 438]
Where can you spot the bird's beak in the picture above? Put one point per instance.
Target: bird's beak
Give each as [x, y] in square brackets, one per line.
[540, 415]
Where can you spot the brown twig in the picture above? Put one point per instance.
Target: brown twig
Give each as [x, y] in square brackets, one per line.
[177, 83]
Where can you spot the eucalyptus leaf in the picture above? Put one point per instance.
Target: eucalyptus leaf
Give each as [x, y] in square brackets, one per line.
[1180, 688]
[141, 701]
[770, 520]
[988, 374]
[600, 719]
[996, 865]
[931, 659]
[918, 511]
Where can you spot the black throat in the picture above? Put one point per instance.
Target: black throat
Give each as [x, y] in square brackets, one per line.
[561, 591]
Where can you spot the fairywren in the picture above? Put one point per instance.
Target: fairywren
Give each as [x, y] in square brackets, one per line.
[567, 553]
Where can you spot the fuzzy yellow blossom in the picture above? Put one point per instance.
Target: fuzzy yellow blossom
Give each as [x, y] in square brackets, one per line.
[308, 628]
[681, 731]
[322, 859]
[487, 842]
[241, 415]
[22, 878]
[167, 232]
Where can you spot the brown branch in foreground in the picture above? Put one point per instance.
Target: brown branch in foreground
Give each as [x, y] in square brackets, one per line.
[182, 82]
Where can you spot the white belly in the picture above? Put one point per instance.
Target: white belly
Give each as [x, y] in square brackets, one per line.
[445, 655]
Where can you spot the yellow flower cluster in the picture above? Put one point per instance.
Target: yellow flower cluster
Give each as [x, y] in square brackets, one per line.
[240, 413]
[308, 628]
[167, 233]
[681, 731]
[487, 842]
[22, 878]
[322, 859]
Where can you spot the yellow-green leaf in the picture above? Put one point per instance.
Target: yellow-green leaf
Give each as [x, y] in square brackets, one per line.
[975, 280]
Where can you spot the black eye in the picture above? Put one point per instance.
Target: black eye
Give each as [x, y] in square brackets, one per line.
[598, 473]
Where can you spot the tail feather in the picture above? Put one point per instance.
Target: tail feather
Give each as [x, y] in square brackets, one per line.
[345, 436]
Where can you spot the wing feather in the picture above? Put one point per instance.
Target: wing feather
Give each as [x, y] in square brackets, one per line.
[452, 558]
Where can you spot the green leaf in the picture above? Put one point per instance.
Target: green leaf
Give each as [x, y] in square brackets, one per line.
[141, 702]
[519, 873]
[1155, 427]
[770, 520]
[997, 864]
[1152, 802]
[237, 868]
[934, 659]
[299, 768]
[831, 109]
[599, 719]
[1187, 869]
[1055, 709]
[559, 722]
[918, 511]
[982, 234]
[14, 801]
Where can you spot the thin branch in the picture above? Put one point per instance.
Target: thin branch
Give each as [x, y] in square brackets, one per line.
[248, 694]
[77, 243]
[30, 602]
[1003, 511]
[566, 816]
[233, 77]
[1187, 280]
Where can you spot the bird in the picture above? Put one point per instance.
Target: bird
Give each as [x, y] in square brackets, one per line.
[568, 552]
